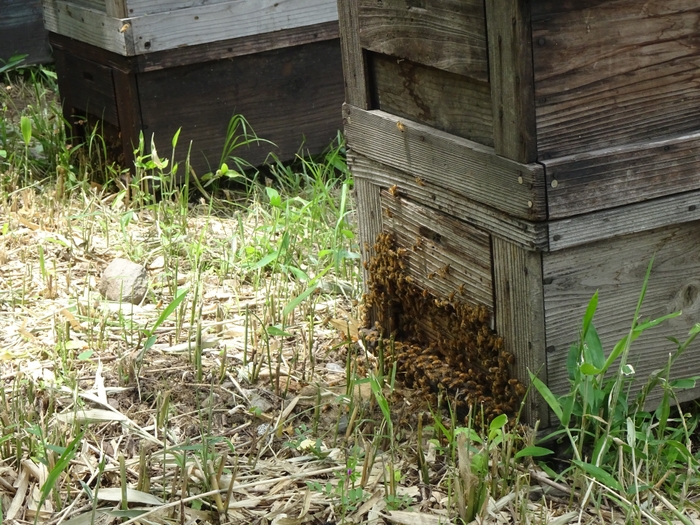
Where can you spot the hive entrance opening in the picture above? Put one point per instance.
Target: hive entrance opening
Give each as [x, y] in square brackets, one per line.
[439, 344]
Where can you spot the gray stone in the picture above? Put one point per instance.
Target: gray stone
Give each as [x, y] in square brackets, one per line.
[124, 281]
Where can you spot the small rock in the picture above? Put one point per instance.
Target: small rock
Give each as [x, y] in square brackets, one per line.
[124, 281]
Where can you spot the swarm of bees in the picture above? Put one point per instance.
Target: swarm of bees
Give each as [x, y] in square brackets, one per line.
[440, 346]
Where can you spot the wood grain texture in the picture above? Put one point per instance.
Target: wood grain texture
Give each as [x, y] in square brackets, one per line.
[444, 34]
[614, 72]
[520, 317]
[171, 29]
[86, 25]
[354, 62]
[511, 79]
[468, 168]
[622, 175]
[529, 235]
[616, 268]
[22, 32]
[236, 47]
[91, 88]
[624, 220]
[368, 207]
[444, 255]
[437, 98]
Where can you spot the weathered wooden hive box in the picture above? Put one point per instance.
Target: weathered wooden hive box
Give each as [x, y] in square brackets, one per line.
[158, 65]
[539, 150]
[22, 32]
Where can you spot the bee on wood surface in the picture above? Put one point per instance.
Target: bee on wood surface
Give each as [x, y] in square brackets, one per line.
[420, 182]
[400, 126]
[388, 213]
[431, 275]
[394, 191]
[444, 271]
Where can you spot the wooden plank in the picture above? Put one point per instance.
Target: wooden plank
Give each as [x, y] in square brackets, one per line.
[89, 26]
[614, 72]
[184, 27]
[91, 88]
[437, 98]
[616, 268]
[445, 34]
[444, 255]
[624, 220]
[290, 96]
[22, 32]
[129, 107]
[210, 23]
[369, 225]
[520, 317]
[622, 175]
[511, 76]
[529, 235]
[354, 64]
[232, 48]
[468, 168]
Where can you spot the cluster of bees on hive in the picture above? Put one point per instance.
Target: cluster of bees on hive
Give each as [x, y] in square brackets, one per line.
[441, 346]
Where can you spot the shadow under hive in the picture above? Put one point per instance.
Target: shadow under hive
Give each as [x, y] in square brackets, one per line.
[441, 345]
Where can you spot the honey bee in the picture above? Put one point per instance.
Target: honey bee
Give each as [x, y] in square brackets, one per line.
[388, 213]
[425, 293]
[400, 126]
[451, 297]
[461, 289]
[444, 271]
[420, 182]
[394, 191]
[431, 275]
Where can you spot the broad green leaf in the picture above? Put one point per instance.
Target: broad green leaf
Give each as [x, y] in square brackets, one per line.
[546, 393]
[291, 305]
[274, 196]
[682, 384]
[590, 312]
[270, 257]
[593, 348]
[84, 356]
[277, 331]
[179, 297]
[533, 452]
[598, 474]
[497, 424]
[589, 370]
[26, 126]
[175, 137]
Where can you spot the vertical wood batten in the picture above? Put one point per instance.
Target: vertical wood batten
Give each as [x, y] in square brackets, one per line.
[354, 64]
[520, 317]
[511, 78]
[369, 224]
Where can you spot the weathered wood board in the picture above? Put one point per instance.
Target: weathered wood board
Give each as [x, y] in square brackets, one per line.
[290, 95]
[443, 34]
[22, 32]
[614, 72]
[469, 168]
[190, 25]
[440, 99]
[446, 254]
[616, 268]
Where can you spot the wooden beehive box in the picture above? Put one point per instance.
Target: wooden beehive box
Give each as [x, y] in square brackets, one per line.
[22, 32]
[158, 65]
[562, 137]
